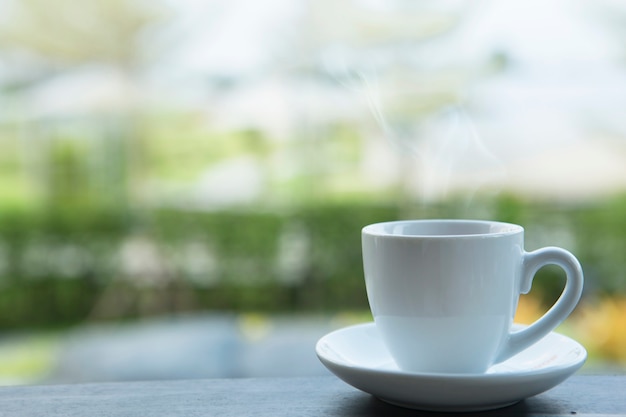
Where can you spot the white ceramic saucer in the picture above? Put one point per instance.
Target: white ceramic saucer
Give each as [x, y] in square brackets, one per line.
[356, 354]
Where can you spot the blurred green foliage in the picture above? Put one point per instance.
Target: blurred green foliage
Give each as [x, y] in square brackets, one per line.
[59, 267]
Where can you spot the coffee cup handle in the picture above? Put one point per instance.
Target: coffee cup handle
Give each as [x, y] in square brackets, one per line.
[531, 263]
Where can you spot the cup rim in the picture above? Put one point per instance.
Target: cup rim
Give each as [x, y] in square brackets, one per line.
[496, 229]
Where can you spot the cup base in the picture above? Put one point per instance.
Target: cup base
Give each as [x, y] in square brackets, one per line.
[451, 345]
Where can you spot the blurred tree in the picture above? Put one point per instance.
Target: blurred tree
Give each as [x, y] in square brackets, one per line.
[40, 40]
[70, 32]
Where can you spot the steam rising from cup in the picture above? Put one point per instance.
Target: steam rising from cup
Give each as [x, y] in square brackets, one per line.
[439, 146]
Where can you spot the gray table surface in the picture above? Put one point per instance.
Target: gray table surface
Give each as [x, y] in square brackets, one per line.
[307, 396]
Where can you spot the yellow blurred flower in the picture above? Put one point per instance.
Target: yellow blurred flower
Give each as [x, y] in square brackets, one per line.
[529, 309]
[601, 326]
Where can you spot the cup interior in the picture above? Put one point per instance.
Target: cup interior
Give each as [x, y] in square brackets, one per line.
[443, 228]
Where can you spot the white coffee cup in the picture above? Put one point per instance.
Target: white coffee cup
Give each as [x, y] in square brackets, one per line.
[443, 293]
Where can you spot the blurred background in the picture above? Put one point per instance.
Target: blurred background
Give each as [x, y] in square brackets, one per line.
[183, 183]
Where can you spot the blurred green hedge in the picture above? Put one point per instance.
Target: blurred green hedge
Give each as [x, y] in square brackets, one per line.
[59, 267]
